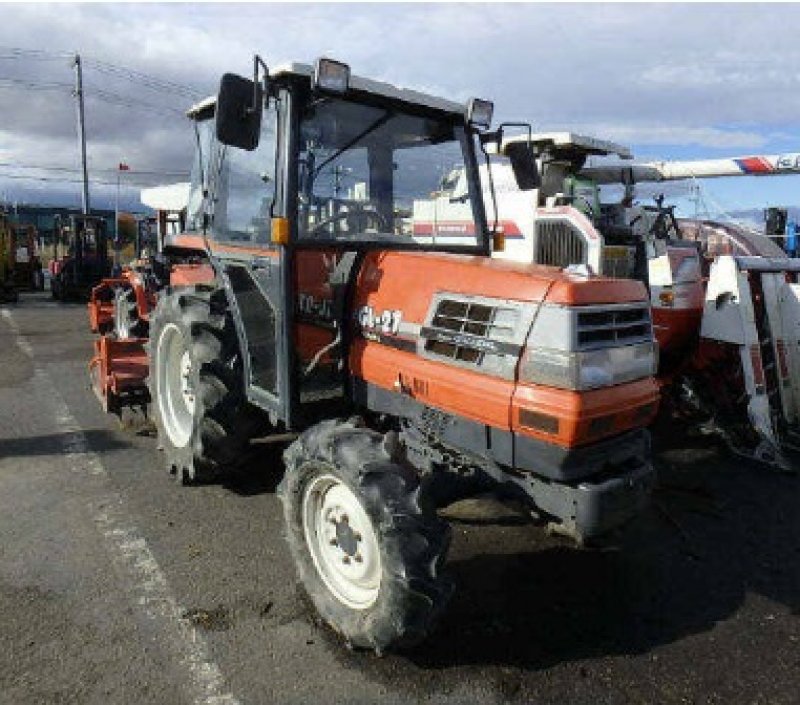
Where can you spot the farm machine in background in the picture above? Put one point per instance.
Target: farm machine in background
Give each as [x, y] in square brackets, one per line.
[725, 299]
[120, 307]
[80, 259]
[122, 304]
[8, 292]
[411, 374]
[20, 262]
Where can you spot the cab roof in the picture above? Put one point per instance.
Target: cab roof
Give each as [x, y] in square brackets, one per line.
[205, 108]
[381, 88]
[571, 142]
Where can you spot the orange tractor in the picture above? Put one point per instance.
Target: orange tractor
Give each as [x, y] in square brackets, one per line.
[120, 307]
[411, 374]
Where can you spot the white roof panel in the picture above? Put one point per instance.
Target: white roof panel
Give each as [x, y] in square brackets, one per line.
[359, 83]
[169, 197]
[379, 88]
[204, 104]
[585, 143]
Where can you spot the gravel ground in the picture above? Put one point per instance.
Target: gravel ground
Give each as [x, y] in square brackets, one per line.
[699, 603]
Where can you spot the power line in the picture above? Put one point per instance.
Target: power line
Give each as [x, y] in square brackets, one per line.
[61, 180]
[117, 99]
[40, 167]
[108, 68]
[35, 85]
[38, 54]
[145, 79]
[97, 94]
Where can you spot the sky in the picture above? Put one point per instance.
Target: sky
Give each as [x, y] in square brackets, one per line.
[671, 81]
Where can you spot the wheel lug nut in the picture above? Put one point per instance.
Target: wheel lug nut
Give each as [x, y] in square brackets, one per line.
[356, 536]
[357, 558]
[333, 542]
[345, 518]
[346, 560]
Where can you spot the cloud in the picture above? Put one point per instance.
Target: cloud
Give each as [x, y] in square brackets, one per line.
[662, 76]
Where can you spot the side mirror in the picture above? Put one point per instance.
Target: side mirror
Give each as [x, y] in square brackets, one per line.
[238, 119]
[524, 166]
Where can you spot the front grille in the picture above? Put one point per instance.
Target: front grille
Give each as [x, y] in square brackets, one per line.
[559, 243]
[607, 327]
[466, 331]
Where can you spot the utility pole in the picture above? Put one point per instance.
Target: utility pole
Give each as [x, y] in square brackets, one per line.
[81, 129]
[122, 166]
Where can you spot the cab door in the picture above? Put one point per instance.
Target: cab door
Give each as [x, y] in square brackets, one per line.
[252, 268]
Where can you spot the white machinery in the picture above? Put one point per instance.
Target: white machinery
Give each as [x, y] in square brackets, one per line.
[725, 300]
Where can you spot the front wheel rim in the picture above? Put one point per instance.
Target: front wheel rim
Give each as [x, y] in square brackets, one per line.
[342, 542]
[176, 400]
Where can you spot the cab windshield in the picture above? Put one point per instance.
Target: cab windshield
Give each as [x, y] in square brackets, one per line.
[374, 174]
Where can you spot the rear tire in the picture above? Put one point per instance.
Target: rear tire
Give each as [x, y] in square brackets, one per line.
[196, 385]
[367, 554]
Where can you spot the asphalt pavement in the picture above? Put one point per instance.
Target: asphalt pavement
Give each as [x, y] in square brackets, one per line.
[118, 586]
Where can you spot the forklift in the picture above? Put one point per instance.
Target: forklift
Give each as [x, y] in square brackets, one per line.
[26, 261]
[8, 292]
[80, 259]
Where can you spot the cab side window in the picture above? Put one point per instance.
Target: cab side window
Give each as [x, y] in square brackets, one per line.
[244, 188]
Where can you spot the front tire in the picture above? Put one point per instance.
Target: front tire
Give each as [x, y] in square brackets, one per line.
[196, 385]
[368, 555]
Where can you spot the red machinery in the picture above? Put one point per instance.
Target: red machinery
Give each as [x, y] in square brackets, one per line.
[119, 307]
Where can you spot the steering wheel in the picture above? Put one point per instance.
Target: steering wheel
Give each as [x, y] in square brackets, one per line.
[352, 217]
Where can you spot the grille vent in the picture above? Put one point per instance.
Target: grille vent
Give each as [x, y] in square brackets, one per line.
[559, 243]
[466, 326]
[613, 327]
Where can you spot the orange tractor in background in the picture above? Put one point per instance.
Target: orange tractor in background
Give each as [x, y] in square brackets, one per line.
[122, 304]
[411, 374]
[119, 307]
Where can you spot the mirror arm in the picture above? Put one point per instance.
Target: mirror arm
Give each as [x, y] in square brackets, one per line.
[258, 62]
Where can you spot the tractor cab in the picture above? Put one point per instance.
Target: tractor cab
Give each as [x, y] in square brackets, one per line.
[305, 175]
[80, 259]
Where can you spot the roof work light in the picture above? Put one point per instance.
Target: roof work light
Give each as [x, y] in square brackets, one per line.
[479, 112]
[330, 75]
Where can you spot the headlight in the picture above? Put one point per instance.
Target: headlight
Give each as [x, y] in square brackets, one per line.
[330, 75]
[479, 112]
[589, 369]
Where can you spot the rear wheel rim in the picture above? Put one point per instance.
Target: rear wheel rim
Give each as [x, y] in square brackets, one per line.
[342, 542]
[176, 400]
